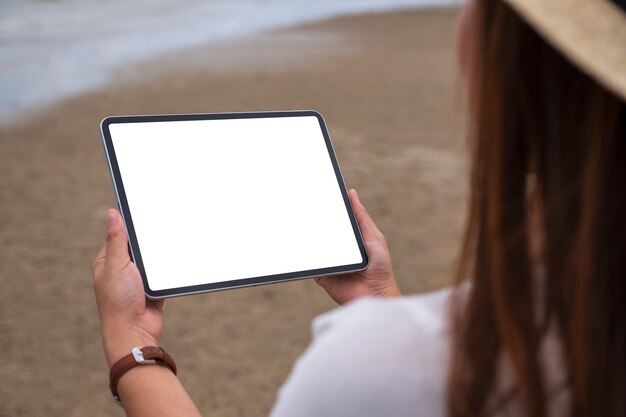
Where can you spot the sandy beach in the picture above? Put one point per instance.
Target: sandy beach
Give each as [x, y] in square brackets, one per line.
[388, 88]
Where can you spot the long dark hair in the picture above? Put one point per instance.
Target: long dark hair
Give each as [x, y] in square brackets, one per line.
[537, 116]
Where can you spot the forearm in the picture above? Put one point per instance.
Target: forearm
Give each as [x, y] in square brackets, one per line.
[152, 390]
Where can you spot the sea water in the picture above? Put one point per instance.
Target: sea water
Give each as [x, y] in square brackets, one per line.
[51, 50]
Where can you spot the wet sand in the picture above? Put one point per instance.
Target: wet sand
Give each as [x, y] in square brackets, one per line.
[389, 91]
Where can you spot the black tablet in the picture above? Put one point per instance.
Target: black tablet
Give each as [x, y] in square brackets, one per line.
[218, 201]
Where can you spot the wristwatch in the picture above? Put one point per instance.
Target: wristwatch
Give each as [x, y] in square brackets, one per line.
[147, 355]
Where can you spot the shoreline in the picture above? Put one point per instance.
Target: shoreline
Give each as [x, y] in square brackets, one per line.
[63, 61]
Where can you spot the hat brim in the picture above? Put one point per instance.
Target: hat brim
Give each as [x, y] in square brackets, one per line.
[591, 33]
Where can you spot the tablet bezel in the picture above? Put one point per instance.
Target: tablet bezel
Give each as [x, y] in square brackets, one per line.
[134, 249]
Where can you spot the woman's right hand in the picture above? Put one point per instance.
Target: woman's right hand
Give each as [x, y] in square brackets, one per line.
[378, 279]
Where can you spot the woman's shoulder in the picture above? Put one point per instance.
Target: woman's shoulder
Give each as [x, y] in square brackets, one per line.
[373, 357]
[425, 313]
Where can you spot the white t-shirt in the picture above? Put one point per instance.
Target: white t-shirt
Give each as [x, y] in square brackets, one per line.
[390, 357]
[374, 357]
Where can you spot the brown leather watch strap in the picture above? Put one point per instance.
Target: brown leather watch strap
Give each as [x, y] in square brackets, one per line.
[147, 355]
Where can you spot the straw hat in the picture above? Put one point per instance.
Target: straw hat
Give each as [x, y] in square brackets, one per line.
[591, 33]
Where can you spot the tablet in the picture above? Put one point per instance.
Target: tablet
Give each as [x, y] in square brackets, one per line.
[219, 201]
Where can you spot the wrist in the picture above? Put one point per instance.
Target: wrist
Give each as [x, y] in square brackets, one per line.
[118, 343]
[150, 355]
[391, 291]
[387, 286]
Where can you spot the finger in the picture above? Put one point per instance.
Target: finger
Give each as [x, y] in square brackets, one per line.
[366, 224]
[158, 304]
[100, 257]
[324, 282]
[117, 240]
[320, 282]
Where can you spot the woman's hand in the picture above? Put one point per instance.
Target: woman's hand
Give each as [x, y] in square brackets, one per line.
[378, 278]
[127, 317]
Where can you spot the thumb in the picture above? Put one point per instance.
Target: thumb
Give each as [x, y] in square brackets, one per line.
[366, 224]
[117, 240]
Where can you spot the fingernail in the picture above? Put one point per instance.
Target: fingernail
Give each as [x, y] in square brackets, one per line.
[111, 217]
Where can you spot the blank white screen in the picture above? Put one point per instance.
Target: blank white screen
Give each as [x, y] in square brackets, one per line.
[220, 200]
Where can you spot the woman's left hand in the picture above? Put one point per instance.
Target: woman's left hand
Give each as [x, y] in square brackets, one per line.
[378, 280]
[127, 317]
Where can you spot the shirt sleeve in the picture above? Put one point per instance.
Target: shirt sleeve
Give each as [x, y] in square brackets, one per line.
[374, 357]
